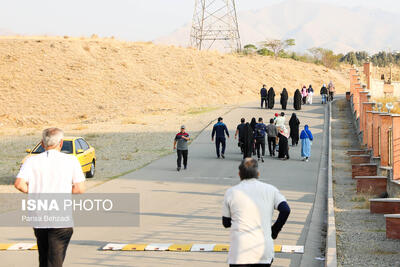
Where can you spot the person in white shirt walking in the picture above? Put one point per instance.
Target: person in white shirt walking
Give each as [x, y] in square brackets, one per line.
[248, 208]
[51, 172]
[280, 120]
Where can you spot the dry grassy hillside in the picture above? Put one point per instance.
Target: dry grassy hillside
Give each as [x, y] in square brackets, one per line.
[47, 80]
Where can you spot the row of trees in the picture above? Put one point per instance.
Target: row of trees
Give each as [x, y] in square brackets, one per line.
[381, 59]
[318, 55]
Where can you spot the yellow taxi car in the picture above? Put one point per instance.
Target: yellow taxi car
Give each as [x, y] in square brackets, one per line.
[76, 146]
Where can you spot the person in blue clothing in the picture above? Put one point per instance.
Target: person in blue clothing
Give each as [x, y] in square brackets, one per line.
[259, 137]
[306, 141]
[219, 131]
[264, 94]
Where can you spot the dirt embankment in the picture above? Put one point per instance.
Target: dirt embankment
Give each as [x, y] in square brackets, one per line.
[49, 80]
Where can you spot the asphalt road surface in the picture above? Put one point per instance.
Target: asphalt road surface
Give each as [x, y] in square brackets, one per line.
[185, 207]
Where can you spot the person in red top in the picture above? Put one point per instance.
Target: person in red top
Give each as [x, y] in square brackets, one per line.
[181, 146]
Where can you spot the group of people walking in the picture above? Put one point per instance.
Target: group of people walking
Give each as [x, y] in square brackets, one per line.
[327, 92]
[252, 138]
[300, 97]
[268, 97]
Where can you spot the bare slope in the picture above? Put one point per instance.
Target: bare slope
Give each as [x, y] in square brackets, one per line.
[64, 80]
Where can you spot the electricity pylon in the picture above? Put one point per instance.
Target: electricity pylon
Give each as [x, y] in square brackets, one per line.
[215, 25]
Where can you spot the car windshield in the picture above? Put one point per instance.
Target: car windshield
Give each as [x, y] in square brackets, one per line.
[66, 148]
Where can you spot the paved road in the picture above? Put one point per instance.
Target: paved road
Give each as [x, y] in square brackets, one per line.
[185, 207]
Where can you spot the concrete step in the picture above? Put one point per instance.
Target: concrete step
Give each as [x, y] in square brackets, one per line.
[384, 205]
[392, 226]
[359, 159]
[364, 169]
[371, 184]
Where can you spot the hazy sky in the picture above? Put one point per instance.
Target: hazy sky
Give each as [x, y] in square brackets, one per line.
[137, 20]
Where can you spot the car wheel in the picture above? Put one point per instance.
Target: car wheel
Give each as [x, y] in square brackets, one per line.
[91, 172]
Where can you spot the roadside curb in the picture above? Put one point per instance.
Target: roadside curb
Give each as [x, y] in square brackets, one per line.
[331, 254]
[315, 241]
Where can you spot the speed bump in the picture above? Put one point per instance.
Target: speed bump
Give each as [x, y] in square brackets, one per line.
[18, 246]
[202, 247]
[221, 248]
[158, 247]
[191, 247]
[114, 246]
[180, 247]
[293, 249]
[5, 246]
[135, 247]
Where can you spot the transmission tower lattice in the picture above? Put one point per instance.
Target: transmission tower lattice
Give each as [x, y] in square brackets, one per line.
[215, 25]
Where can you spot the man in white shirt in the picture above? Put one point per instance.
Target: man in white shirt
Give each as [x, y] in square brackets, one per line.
[248, 209]
[280, 121]
[48, 173]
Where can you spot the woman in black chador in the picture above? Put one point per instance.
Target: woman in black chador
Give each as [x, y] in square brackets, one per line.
[253, 128]
[283, 144]
[271, 98]
[297, 100]
[284, 98]
[248, 141]
[294, 129]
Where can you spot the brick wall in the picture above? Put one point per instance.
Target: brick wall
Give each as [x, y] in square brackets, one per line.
[375, 133]
[368, 73]
[386, 124]
[363, 98]
[366, 107]
[396, 146]
[368, 129]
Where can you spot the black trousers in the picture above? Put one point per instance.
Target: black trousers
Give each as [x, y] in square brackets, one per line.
[52, 245]
[182, 154]
[220, 141]
[260, 143]
[250, 265]
[271, 145]
[330, 96]
[264, 100]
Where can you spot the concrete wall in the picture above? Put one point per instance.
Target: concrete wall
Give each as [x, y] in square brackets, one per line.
[377, 88]
[396, 89]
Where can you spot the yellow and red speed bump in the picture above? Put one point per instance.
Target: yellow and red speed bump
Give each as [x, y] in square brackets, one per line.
[190, 247]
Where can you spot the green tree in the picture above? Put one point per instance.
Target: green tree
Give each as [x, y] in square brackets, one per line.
[325, 57]
[265, 52]
[249, 49]
[278, 46]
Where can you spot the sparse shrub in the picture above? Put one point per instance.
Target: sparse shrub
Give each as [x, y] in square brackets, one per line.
[249, 49]
[265, 52]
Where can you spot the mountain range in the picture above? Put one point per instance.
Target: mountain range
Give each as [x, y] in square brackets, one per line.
[312, 24]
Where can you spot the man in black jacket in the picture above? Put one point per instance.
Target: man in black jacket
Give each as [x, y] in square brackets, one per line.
[324, 93]
[264, 94]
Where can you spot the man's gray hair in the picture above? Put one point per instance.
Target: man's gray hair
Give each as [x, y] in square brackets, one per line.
[248, 169]
[52, 136]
